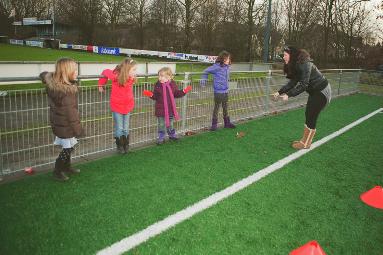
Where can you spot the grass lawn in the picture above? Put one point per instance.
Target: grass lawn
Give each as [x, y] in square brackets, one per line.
[25, 53]
[315, 197]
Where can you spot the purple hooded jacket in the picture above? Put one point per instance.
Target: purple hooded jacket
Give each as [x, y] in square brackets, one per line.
[221, 77]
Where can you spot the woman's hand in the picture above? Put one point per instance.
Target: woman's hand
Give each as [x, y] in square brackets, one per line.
[284, 97]
[101, 89]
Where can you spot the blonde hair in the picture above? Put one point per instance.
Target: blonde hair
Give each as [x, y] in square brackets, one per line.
[166, 71]
[64, 69]
[123, 70]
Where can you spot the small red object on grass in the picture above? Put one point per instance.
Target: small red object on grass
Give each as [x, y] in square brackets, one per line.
[373, 197]
[310, 248]
[28, 170]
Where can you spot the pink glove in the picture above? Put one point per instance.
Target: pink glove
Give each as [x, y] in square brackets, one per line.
[148, 93]
[187, 89]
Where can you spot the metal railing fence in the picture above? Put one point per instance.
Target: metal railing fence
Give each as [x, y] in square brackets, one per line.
[27, 139]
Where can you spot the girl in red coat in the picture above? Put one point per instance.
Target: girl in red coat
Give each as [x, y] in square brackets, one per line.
[121, 99]
[164, 93]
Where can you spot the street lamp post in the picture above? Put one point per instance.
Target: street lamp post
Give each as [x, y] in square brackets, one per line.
[53, 20]
[267, 35]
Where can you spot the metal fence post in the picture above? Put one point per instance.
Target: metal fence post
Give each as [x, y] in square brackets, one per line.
[267, 90]
[339, 80]
[357, 80]
[184, 101]
[78, 73]
[146, 71]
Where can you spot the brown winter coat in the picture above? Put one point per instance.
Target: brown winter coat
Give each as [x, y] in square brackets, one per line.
[63, 103]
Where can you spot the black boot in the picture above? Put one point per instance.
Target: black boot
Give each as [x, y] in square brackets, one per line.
[119, 141]
[69, 169]
[123, 141]
[126, 144]
[58, 172]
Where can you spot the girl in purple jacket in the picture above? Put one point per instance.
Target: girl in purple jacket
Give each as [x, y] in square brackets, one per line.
[164, 93]
[221, 76]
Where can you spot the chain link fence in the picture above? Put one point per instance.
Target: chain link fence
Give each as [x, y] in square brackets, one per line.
[27, 139]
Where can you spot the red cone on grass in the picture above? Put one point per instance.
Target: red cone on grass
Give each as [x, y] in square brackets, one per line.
[310, 248]
[373, 197]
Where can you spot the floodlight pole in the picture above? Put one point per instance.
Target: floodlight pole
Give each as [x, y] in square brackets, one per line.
[53, 20]
[267, 35]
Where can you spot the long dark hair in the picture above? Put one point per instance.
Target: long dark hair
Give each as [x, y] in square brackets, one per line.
[222, 56]
[297, 56]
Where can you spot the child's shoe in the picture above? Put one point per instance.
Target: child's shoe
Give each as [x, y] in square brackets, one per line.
[172, 134]
[214, 124]
[161, 137]
[227, 122]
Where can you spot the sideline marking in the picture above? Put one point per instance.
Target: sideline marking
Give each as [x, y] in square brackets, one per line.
[142, 236]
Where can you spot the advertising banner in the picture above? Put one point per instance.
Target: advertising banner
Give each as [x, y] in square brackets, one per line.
[108, 51]
[17, 42]
[34, 43]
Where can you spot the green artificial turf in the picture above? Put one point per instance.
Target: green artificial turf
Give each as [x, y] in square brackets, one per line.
[117, 196]
[314, 198]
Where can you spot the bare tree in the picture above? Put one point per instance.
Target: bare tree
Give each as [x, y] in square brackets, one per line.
[353, 24]
[206, 26]
[138, 11]
[5, 19]
[85, 15]
[252, 11]
[327, 24]
[31, 8]
[190, 7]
[302, 16]
[164, 17]
[114, 10]
[276, 31]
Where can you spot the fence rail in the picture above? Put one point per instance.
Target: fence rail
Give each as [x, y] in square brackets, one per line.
[27, 140]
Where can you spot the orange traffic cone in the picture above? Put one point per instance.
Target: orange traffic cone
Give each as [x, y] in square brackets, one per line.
[310, 248]
[373, 197]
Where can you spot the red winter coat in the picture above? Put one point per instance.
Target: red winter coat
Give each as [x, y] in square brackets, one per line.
[121, 97]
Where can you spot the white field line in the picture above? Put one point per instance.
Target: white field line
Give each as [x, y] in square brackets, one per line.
[138, 238]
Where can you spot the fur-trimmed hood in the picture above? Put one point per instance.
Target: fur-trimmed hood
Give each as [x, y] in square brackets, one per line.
[49, 82]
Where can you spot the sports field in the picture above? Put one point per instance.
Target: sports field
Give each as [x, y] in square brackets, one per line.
[315, 197]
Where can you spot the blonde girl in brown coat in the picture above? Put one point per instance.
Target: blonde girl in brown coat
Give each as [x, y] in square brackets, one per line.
[62, 91]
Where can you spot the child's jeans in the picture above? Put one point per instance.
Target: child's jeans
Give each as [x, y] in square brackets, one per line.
[121, 124]
[162, 125]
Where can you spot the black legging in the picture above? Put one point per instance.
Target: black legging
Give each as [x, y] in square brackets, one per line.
[315, 104]
[220, 98]
[65, 154]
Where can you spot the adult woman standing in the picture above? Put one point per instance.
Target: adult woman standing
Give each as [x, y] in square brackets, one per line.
[303, 75]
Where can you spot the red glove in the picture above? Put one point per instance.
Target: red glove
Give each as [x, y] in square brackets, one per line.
[148, 93]
[187, 89]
